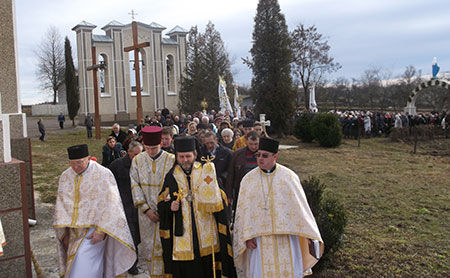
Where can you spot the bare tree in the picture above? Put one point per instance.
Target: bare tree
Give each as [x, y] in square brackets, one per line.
[311, 57]
[371, 82]
[51, 63]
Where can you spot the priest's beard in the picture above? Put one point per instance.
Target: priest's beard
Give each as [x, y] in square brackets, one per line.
[187, 166]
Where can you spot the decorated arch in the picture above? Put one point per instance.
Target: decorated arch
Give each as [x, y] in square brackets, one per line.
[434, 82]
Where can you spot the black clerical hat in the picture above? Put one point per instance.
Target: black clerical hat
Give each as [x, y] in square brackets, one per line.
[151, 135]
[184, 144]
[78, 151]
[248, 123]
[268, 144]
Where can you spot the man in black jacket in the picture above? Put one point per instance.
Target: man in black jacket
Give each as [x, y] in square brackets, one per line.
[118, 133]
[121, 170]
[222, 156]
[243, 161]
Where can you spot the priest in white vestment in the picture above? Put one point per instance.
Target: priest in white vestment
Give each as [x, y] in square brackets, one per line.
[275, 233]
[147, 173]
[2, 239]
[92, 233]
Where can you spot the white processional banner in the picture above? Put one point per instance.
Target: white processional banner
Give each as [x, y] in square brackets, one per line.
[224, 101]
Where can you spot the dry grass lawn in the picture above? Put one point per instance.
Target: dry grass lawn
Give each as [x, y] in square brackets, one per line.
[398, 203]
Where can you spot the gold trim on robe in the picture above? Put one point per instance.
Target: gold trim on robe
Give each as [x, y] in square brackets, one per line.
[183, 249]
[147, 178]
[92, 200]
[262, 212]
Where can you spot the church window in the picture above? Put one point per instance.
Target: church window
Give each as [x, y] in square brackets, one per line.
[103, 75]
[142, 70]
[170, 74]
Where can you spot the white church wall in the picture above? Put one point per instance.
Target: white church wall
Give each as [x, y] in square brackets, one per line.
[49, 109]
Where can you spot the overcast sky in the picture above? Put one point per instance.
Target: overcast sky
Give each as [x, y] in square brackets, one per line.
[387, 34]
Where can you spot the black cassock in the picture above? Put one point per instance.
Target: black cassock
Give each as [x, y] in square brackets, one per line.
[200, 267]
[121, 170]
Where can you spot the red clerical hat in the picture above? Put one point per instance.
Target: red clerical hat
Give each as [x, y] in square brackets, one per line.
[151, 135]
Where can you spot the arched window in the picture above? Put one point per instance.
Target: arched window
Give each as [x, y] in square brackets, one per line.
[140, 64]
[103, 75]
[170, 74]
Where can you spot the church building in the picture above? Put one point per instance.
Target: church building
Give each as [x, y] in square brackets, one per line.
[161, 65]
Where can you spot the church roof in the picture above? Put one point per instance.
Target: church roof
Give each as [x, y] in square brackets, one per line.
[101, 38]
[84, 24]
[169, 41]
[113, 23]
[152, 25]
[177, 30]
[157, 26]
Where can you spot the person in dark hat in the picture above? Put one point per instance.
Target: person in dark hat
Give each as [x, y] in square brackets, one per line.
[272, 210]
[189, 221]
[92, 233]
[147, 173]
[248, 126]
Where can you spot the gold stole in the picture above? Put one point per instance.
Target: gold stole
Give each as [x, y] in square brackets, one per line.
[183, 247]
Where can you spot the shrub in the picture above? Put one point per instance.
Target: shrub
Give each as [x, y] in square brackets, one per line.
[330, 216]
[327, 130]
[302, 128]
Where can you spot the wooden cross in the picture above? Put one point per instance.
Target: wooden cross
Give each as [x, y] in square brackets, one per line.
[135, 47]
[94, 69]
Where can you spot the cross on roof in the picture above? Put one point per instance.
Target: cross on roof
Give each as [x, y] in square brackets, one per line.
[133, 13]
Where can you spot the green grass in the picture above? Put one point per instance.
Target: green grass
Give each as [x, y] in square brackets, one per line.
[398, 203]
[50, 159]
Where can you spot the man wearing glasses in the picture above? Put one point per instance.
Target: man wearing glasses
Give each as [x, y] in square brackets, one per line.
[275, 233]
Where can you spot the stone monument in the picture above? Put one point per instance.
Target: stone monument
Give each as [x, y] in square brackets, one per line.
[15, 153]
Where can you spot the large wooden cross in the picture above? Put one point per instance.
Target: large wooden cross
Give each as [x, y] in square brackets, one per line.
[136, 46]
[94, 69]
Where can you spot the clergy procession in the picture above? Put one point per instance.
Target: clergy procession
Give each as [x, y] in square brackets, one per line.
[200, 203]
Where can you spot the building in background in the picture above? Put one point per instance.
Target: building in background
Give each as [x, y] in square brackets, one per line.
[161, 66]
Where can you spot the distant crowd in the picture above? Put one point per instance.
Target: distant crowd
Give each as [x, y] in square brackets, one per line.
[372, 124]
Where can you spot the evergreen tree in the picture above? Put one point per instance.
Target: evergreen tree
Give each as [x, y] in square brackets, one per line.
[192, 81]
[207, 58]
[73, 96]
[216, 62]
[271, 58]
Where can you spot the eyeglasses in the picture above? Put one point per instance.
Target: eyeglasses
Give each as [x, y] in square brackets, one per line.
[264, 155]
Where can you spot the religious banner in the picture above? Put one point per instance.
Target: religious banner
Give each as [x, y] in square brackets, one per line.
[312, 100]
[224, 101]
[236, 102]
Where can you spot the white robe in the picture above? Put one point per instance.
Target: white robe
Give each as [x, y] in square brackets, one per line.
[86, 202]
[147, 178]
[282, 231]
[88, 262]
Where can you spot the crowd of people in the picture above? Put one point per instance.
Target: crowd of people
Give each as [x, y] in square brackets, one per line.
[229, 132]
[372, 124]
[201, 196]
